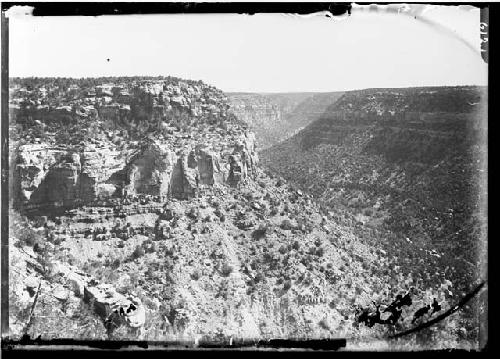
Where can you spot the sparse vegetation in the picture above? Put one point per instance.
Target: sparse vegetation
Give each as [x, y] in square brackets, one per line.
[227, 269]
[346, 233]
[138, 252]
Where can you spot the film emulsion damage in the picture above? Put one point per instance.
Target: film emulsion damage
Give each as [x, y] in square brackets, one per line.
[164, 211]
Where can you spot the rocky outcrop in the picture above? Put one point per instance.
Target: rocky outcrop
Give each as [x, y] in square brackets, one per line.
[243, 161]
[105, 301]
[150, 170]
[114, 307]
[163, 138]
[32, 168]
[110, 305]
[48, 175]
[60, 178]
[181, 174]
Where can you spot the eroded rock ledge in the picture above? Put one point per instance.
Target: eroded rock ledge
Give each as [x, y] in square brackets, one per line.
[171, 139]
[60, 177]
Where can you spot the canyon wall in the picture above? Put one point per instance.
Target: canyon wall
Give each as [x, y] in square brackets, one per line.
[64, 178]
[407, 162]
[275, 117]
[166, 139]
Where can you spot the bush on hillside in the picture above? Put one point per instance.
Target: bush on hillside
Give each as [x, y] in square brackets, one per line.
[28, 236]
[227, 269]
[138, 252]
[287, 285]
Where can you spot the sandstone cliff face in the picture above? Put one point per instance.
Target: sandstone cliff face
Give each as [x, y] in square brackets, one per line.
[160, 170]
[150, 171]
[64, 179]
[156, 144]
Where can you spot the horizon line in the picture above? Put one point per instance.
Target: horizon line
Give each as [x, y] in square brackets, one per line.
[258, 92]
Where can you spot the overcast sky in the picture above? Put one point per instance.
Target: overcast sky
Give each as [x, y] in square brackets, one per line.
[260, 53]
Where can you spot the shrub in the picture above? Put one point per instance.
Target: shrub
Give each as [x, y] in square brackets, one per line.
[286, 259]
[227, 269]
[286, 224]
[151, 248]
[320, 251]
[169, 252]
[116, 263]
[296, 245]
[268, 257]
[259, 233]
[287, 285]
[195, 275]
[253, 264]
[28, 236]
[45, 260]
[259, 277]
[193, 213]
[71, 259]
[323, 324]
[150, 273]
[138, 252]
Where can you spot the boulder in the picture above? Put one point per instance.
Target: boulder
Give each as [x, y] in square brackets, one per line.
[110, 304]
[77, 283]
[31, 283]
[244, 224]
[60, 293]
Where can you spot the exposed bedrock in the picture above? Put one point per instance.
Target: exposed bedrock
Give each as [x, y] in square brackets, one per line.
[57, 177]
[110, 305]
[163, 138]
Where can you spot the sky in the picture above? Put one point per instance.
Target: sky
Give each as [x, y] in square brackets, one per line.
[259, 53]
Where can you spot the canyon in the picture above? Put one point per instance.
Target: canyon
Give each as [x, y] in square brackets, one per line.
[165, 209]
[408, 165]
[275, 117]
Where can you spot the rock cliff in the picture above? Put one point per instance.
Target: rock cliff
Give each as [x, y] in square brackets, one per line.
[163, 138]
